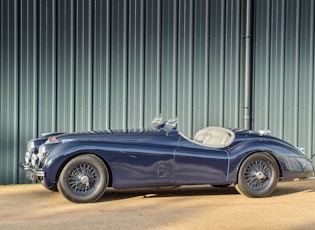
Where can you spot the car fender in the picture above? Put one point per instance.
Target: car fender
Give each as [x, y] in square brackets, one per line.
[61, 154]
[282, 152]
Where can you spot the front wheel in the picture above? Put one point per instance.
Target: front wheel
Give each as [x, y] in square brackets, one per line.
[83, 179]
[257, 176]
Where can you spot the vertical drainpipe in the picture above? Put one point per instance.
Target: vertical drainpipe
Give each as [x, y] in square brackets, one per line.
[248, 67]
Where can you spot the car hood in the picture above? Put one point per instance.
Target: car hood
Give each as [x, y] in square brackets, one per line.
[112, 135]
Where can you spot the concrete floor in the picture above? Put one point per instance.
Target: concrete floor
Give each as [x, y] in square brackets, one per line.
[291, 206]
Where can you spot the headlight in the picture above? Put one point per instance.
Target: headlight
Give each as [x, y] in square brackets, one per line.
[28, 156]
[34, 160]
[30, 146]
[41, 156]
[42, 151]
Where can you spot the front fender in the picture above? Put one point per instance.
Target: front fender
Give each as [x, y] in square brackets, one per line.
[61, 154]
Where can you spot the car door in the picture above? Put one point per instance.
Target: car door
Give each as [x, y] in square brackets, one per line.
[148, 165]
[198, 164]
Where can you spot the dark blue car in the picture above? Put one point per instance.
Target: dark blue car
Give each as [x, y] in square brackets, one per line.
[82, 165]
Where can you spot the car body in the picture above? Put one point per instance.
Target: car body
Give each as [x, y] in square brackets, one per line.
[82, 165]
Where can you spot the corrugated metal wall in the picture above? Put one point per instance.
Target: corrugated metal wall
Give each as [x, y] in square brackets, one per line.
[283, 89]
[72, 65]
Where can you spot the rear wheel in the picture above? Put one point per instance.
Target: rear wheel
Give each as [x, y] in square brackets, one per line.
[83, 179]
[258, 175]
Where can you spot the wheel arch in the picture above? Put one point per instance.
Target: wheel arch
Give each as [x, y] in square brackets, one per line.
[271, 154]
[60, 155]
[64, 163]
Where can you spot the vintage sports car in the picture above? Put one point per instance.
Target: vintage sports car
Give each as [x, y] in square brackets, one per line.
[82, 165]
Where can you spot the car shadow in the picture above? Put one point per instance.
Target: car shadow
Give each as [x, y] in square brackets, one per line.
[282, 189]
[116, 194]
[287, 188]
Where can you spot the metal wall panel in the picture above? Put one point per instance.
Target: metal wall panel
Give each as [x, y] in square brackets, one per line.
[73, 65]
[66, 64]
[283, 87]
[47, 63]
[9, 86]
[101, 65]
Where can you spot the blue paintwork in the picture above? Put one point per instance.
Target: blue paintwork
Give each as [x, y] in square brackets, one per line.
[154, 158]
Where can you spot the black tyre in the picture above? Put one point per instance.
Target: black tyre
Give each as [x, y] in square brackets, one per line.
[83, 179]
[257, 176]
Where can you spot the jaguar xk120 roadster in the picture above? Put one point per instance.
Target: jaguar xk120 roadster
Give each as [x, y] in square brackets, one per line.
[82, 165]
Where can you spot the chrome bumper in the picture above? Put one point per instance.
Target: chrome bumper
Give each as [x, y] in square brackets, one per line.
[31, 173]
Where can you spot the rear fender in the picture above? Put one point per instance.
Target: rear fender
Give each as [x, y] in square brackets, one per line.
[278, 151]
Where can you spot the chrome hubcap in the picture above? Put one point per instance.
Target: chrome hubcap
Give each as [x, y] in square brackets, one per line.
[259, 175]
[84, 180]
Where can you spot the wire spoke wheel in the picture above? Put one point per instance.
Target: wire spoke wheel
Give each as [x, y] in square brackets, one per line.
[83, 179]
[258, 175]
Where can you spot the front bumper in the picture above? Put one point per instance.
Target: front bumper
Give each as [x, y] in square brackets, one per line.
[31, 173]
